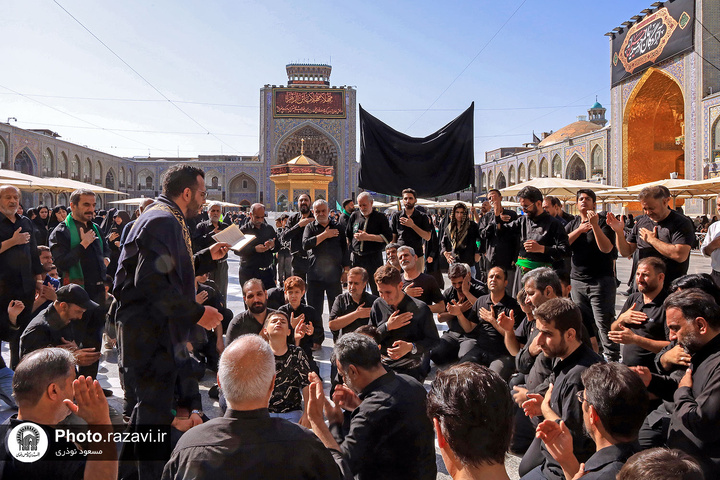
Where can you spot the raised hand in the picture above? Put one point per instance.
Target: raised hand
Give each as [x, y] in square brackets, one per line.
[15, 308]
[413, 291]
[20, 238]
[398, 320]
[90, 402]
[615, 223]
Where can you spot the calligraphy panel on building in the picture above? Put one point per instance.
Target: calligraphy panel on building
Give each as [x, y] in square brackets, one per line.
[309, 102]
[658, 36]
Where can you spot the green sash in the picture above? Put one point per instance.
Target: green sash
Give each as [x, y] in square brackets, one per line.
[527, 264]
[75, 275]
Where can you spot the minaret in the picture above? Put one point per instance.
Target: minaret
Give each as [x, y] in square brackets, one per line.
[308, 74]
[596, 114]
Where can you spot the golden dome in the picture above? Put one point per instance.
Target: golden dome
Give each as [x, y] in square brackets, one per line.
[580, 127]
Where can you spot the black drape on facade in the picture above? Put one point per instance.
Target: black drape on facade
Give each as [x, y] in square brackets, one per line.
[438, 164]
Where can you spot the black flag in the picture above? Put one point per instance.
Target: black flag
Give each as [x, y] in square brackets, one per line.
[438, 164]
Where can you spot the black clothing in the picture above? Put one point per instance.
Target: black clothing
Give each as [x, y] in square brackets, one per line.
[18, 267]
[291, 376]
[293, 235]
[311, 316]
[250, 259]
[431, 292]
[47, 329]
[654, 328]
[345, 304]
[406, 235]
[489, 339]
[545, 230]
[204, 231]
[607, 462]
[251, 444]
[244, 323]
[421, 331]
[375, 224]
[41, 230]
[501, 246]
[477, 289]
[588, 262]
[675, 229]
[92, 259]
[276, 298]
[465, 252]
[390, 433]
[328, 257]
[567, 382]
[695, 422]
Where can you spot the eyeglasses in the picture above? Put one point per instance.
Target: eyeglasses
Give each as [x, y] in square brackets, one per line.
[203, 193]
[581, 396]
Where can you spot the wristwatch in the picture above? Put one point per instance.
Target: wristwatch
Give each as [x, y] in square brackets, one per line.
[198, 412]
[414, 349]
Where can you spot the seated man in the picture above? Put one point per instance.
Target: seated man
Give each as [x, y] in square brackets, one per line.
[405, 325]
[472, 411]
[52, 328]
[256, 310]
[487, 313]
[45, 388]
[640, 328]
[392, 255]
[390, 434]
[459, 341]
[246, 442]
[614, 404]
[558, 324]
[661, 464]
[352, 309]
[417, 284]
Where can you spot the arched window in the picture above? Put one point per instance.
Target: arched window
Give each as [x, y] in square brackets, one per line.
[511, 175]
[75, 169]
[576, 169]
[215, 182]
[244, 184]
[23, 163]
[543, 168]
[3, 154]
[98, 173]
[491, 180]
[87, 171]
[500, 181]
[129, 178]
[483, 182]
[532, 170]
[556, 167]
[715, 142]
[121, 178]
[148, 183]
[48, 164]
[110, 180]
[596, 164]
[63, 166]
[521, 173]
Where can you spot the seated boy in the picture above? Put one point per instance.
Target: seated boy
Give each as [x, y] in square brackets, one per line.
[297, 311]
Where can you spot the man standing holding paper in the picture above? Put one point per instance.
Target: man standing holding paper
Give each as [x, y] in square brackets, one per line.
[256, 257]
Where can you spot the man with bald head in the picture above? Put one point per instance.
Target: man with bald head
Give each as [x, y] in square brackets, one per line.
[21, 273]
[203, 239]
[368, 231]
[246, 441]
[256, 258]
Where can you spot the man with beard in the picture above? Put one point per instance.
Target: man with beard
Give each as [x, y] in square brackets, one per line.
[542, 239]
[21, 273]
[661, 233]
[640, 328]
[252, 319]
[559, 324]
[392, 256]
[614, 403]
[293, 234]
[348, 207]
[155, 288]
[368, 232]
[501, 245]
[203, 239]
[410, 226]
[417, 284]
[256, 258]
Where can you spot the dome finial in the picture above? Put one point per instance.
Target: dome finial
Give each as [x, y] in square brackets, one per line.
[302, 146]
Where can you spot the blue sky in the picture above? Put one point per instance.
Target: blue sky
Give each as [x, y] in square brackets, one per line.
[542, 70]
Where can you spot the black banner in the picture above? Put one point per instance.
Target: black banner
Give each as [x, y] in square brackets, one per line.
[656, 37]
[438, 164]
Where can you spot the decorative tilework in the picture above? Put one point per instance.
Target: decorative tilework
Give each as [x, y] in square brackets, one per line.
[579, 149]
[693, 122]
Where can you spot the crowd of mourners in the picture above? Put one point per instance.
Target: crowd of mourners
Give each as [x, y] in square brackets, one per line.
[523, 352]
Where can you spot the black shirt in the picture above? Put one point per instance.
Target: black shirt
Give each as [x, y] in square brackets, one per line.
[291, 376]
[345, 304]
[249, 258]
[244, 323]
[293, 234]
[431, 292]
[311, 316]
[488, 337]
[588, 262]
[695, 422]
[501, 246]
[654, 328]
[375, 224]
[545, 230]
[18, 264]
[47, 329]
[391, 436]
[251, 444]
[567, 382]
[675, 229]
[606, 463]
[477, 289]
[328, 257]
[204, 231]
[465, 252]
[421, 330]
[406, 235]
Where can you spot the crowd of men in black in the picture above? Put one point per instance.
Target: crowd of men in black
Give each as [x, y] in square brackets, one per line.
[533, 359]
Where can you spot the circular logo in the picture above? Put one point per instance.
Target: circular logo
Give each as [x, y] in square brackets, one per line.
[27, 442]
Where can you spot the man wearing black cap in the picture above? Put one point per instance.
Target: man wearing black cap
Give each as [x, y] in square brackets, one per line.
[51, 327]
